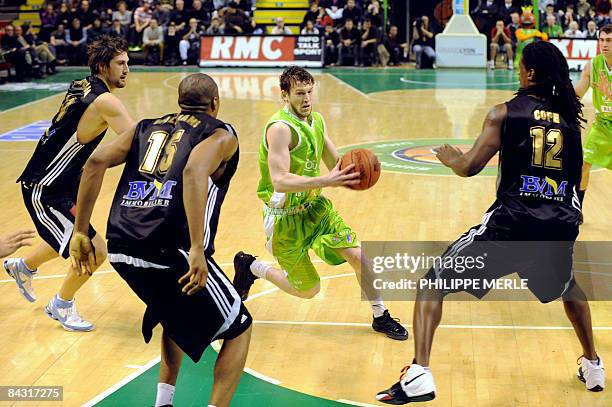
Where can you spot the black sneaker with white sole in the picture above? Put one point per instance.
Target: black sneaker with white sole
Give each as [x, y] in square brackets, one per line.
[390, 327]
[243, 277]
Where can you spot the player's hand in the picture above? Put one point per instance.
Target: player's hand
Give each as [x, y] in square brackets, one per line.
[447, 154]
[195, 278]
[13, 241]
[82, 254]
[342, 177]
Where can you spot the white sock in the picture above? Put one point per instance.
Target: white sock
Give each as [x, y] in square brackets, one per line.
[260, 269]
[165, 394]
[378, 308]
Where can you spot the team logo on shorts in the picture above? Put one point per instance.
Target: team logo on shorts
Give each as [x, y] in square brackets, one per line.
[414, 156]
[148, 194]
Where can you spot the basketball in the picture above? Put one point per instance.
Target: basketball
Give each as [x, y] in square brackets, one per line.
[366, 163]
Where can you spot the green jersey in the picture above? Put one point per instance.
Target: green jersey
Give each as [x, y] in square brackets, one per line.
[305, 158]
[602, 90]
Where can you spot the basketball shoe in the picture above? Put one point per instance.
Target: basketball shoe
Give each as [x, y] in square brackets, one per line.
[17, 269]
[390, 327]
[65, 313]
[416, 384]
[592, 374]
[243, 277]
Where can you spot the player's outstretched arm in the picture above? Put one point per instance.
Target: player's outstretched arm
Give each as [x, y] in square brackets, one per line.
[584, 82]
[278, 137]
[330, 153]
[203, 161]
[485, 147]
[113, 111]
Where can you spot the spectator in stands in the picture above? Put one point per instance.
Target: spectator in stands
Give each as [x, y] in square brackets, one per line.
[77, 38]
[369, 40]
[331, 40]
[373, 13]
[142, 19]
[310, 29]
[153, 37]
[252, 28]
[487, 14]
[552, 29]
[162, 14]
[123, 15]
[244, 5]
[583, 11]
[423, 34]
[592, 33]
[335, 13]
[353, 12]
[314, 13]
[199, 13]
[14, 54]
[39, 55]
[190, 43]
[593, 16]
[215, 27]
[95, 31]
[574, 31]
[506, 11]
[179, 16]
[323, 20]
[550, 11]
[501, 39]
[171, 44]
[602, 7]
[85, 15]
[117, 29]
[349, 43]
[392, 49]
[59, 41]
[568, 17]
[64, 15]
[280, 28]
[513, 26]
[220, 4]
[48, 22]
[235, 19]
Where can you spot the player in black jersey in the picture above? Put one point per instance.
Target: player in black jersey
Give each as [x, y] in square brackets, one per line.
[50, 180]
[537, 135]
[161, 232]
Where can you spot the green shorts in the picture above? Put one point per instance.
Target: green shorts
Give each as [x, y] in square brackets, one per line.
[598, 146]
[290, 233]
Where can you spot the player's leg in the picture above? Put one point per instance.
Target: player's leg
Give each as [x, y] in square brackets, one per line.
[171, 358]
[72, 282]
[305, 283]
[577, 309]
[382, 320]
[228, 368]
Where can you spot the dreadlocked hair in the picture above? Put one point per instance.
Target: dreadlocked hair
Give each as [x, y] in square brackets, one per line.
[552, 81]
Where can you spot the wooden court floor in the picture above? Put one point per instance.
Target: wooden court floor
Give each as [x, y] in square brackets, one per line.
[486, 354]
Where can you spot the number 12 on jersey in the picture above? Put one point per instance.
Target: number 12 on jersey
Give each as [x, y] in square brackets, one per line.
[547, 146]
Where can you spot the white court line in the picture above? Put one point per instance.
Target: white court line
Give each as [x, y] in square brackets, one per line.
[362, 324]
[122, 382]
[355, 403]
[262, 376]
[365, 95]
[133, 366]
[100, 272]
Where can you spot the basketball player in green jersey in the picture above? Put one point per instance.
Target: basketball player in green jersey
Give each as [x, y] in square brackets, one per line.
[597, 74]
[296, 216]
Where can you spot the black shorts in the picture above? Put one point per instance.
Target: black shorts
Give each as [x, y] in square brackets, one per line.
[191, 321]
[541, 253]
[53, 211]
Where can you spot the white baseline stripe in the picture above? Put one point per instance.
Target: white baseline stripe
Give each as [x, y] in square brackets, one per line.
[122, 383]
[355, 403]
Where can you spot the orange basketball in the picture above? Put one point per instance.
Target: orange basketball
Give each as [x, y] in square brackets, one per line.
[366, 163]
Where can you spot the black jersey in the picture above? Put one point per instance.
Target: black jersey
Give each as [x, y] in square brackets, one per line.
[59, 157]
[540, 162]
[148, 205]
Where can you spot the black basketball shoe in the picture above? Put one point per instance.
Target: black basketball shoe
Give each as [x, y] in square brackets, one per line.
[389, 326]
[243, 277]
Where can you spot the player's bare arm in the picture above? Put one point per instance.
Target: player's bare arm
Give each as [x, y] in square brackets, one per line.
[113, 112]
[583, 84]
[330, 153]
[204, 161]
[82, 253]
[485, 147]
[278, 138]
